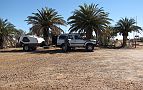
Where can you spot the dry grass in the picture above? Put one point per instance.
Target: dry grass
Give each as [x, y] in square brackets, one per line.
[103, 69]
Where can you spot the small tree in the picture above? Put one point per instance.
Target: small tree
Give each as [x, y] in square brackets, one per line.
[107, 34]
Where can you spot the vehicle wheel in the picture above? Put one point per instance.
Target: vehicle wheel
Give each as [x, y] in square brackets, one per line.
[26, 48]
[89, 47]
[42, 44]
[64, 47]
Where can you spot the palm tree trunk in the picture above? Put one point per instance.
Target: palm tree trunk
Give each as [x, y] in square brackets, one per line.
[124, 41]
[1, 42]
[46, 36]
[88, 34]
[97, 38]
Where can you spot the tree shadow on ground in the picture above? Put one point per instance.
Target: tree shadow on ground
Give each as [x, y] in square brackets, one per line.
[47, 51]
[11, 51]
[57, 51]
[41, 51]
[33, 52]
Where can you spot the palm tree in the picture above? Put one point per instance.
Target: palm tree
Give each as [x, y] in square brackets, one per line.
[87, 19]
[6, 30]
[45, 20]
[124, 26]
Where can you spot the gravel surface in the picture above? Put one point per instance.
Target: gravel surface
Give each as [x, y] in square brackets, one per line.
[103, 69]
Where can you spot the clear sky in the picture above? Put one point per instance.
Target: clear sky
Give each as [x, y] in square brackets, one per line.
[16, 11]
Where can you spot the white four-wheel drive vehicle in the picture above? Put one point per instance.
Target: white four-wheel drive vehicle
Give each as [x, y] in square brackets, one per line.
[68, 41]
[30, 42]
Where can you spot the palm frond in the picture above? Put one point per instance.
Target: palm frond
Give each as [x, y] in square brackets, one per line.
[88, 18]
[45, 18]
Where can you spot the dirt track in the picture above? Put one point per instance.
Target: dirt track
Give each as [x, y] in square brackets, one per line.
[103, 69]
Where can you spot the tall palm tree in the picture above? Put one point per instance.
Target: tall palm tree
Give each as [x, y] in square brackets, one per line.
[45, 20]
[6, 30]
[124, 26]
[87, 19]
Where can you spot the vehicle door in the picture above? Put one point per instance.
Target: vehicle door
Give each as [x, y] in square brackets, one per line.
[61, 39]
[71, 40]
[79, 41]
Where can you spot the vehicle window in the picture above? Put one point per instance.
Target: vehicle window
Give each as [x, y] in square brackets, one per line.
[70, 37]
[62, 37]
[77, 37]
[25, 39]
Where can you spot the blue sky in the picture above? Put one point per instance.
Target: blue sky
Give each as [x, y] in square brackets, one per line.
[16, 11]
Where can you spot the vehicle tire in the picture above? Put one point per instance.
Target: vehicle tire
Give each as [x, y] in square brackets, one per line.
[42, 44]
[26, 48]
[64, 47]
[89, 47]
